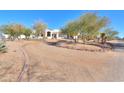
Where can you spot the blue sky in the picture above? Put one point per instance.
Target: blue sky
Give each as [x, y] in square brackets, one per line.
[55, 19]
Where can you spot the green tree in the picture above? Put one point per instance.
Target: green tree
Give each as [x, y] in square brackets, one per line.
[87, 26]
[110, 33]
[7, 29]
[40, 27]
[71, 30]
[18, 28]
[91, 24]
[103, 38]
[27, 32]
[13, 30]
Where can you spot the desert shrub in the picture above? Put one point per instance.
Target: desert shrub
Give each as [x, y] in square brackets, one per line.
[2, 47]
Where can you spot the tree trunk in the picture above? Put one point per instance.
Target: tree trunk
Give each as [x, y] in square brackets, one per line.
[75, 40]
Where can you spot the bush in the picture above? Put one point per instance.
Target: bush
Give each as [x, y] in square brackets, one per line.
[2, 47]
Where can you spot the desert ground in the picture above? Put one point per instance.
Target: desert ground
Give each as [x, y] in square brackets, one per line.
[36, 61]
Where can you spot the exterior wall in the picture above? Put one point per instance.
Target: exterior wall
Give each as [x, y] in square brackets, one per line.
[51, 34]
[32, 36]
[5, 36]
[22, 36]
[57, 35]
[39, 37]
[1, 37]
[46, 34]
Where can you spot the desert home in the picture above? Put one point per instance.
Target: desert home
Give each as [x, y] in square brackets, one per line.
[52, 34]
[49, 34]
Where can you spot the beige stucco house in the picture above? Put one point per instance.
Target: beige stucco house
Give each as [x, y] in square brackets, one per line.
[52, 34]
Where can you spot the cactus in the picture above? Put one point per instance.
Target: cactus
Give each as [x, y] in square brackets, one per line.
[2, 47]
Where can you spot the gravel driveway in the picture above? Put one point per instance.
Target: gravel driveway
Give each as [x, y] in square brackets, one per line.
[49, 63]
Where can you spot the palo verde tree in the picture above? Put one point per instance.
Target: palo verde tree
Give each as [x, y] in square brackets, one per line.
[13, 30]
[91, 24]
[71, 30]
[7, 29]
[27, 32]
[103, 37]
[110, 33]
[87, 26]
[39, 28]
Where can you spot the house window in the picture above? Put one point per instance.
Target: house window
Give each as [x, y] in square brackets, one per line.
[54, 36]
[48, 34]
[42, 35]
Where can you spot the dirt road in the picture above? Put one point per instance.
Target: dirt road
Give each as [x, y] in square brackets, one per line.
[49, 63]
[116, 69]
